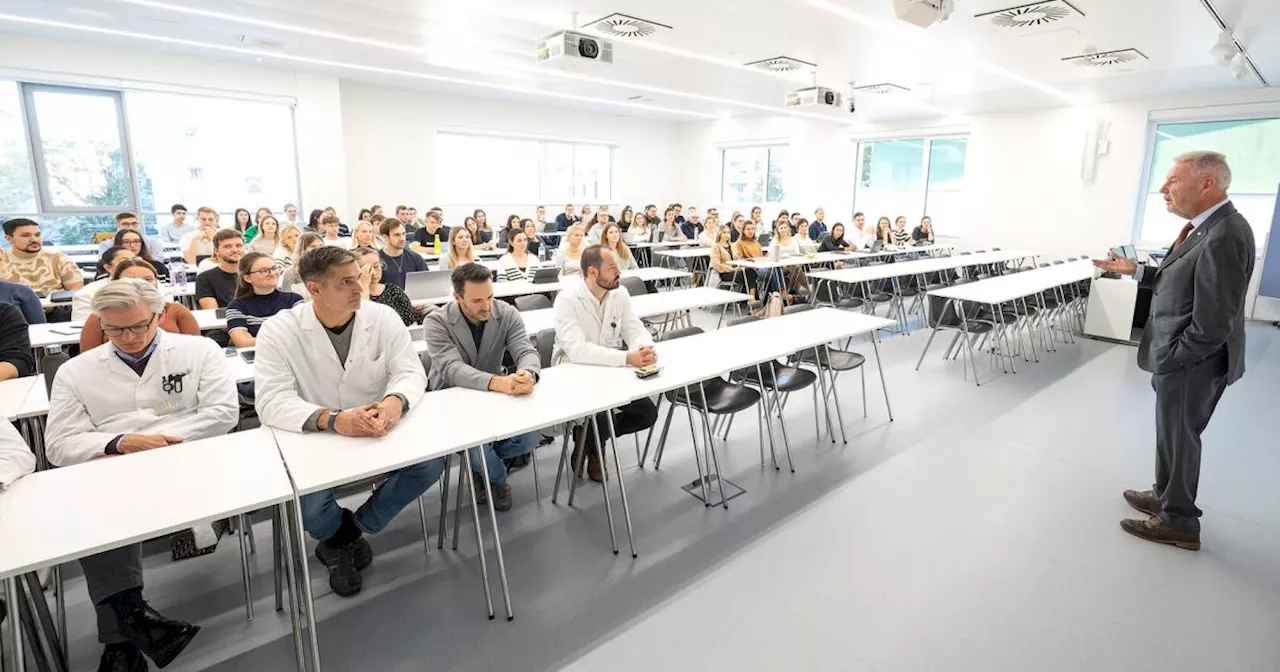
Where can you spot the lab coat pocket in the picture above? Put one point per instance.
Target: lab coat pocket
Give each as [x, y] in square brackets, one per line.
[367, 376]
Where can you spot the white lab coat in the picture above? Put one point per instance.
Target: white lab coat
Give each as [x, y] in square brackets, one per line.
[82, 300]
[594, 332]
[16, 460]
[97, 397]
[298, 372]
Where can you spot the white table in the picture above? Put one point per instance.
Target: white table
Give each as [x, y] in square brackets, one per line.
[510, 289]
[66, 333]
[13, 395]
[183, 294]
[929, 250]
[685, 252]
[662, 244]
[648, 305]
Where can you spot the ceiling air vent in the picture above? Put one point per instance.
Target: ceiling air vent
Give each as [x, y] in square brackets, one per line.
[1034, 15]
[621, 25]
[880, 89]
[783, 64]
[1103, 59]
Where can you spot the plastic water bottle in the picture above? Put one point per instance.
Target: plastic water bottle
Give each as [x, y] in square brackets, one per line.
[178, 272]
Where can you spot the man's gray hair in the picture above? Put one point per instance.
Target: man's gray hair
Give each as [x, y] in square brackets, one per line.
[1207, 163]
[127, 293]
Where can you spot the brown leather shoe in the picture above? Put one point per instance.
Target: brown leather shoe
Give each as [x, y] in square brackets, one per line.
[1161, 531]
[595, 467]
[1144, 501]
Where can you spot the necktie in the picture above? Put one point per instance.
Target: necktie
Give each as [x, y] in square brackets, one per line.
[1181, 237]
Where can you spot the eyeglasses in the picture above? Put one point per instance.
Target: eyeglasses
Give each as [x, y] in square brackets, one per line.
[139, 328]
[270, 270]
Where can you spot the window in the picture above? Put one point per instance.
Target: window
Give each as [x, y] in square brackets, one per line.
[753, 174]
[913, 178]
[97, 152]
[481, 169]
[1252, 147]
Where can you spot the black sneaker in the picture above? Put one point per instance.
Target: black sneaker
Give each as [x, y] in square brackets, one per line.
[122, 657]
[477, 486]
[362, 553]
[344, 577]
[502, 497]
[160, 638]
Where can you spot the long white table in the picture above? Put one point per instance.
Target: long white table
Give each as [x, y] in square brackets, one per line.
[66, 333]
[510, 289]
[183, 294]
[648, 305]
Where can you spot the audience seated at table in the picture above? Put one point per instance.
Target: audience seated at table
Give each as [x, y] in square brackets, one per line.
[28, 263]
[818, 227]
[329, 225]
[884, 231]
[396, 262]
[612, 240]
[923, 234]
[24, 299]
[284, 252]
[784, 244]
[533, 244]
[16, 359]
[198, 244]
[640, 231]
[462, 249]
[482, 237]
[569, 256]
[364, 391]
[365, 235]
[430, 236]
[268, 235]
[692, 226]
[670, 227]
[596, 325]
[567, 218]
[517, 263]
[127, 221]
[805, 244]
[133, 241]
[16, 459]
[257, 297]
[834, 241]
[862, 237]
[709, 234]
[251, 234]
[597, 227]
[503, 237]
[725, 251]
[173, 232]
[82, 302]
[146, 391]
[626, 218]
[175, 318]
[289, 280]
[216, 287]
[900, 235]
[373, 288]
[467, 341]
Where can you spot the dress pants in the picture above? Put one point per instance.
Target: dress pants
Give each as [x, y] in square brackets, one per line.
[638, 415]
[106, 574]
[1185, 400]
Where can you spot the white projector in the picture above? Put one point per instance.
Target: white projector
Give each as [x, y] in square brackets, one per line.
[814, 96]
[568, 49]
[923, 13]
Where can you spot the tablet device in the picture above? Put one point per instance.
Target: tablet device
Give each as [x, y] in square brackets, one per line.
[247, 355]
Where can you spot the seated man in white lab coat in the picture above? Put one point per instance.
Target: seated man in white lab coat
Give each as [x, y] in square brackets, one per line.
[596, 325]
[16, 459]
[337, 364]
[147, 390]
[467, 340]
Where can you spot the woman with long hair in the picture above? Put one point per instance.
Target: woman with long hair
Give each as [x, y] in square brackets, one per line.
[725, 251]
[504, 236]
[366, 215]
[639, 231]
[612, 239]
[365, 235]
[900, 235]
[532, 242]
[625, 218]
[922, 235]
[284, 252]
[289, 278]
[389, 294]
[313, 223]
[834, 241]
[137, 244]
[569, 257]
[670, 228]
[711, 233]
[483, 237]
[242, 221]
[461, 249]
[517, 263]
[884, 231]
[268, 238]
[175, 318]
[257, 298]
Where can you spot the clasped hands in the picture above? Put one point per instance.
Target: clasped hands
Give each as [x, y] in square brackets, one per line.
[369, 420]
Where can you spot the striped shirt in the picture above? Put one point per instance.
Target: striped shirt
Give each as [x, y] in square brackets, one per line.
[251, 311]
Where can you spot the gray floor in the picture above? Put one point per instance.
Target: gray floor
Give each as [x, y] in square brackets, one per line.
[976, 532]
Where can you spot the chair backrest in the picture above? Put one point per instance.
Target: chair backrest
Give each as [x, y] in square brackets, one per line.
[680, 333]
[635, 286]
[532, 302]
[50, 363]
[797, 308]
[1057, 261]
[426, 362]
[734, 321]
[545, 340]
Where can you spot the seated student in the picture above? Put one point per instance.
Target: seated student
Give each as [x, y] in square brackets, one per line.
[216, 287]
[127, 221]
[28, 263]
[504, 236]
[597, 227]
[532, 244]
[692, 227]
[806, 244]
[372, 288]
[735, 227]
[329, 224]
[723, 252]
[517, 263]
[884, 231]
[257, 298]
[343, 230]
[862, 237]
[482, 236]
[795, 224]
[783, 246]
[82, 302]
[605, 210]
[175, 318]
[198, 245]
[267, 235]
[570, 253]
[16, 359]
[365, 235]
[818, 227]
[173, 232]
[670, 227]
[596, 325]
[146, 391]
[430, 236]
[900, 236]
[639, 232]
[709, 234]
[567, 218]
[626, 218]
[396, 263]
[16, 459]
[467, 341]
[289, 279]
[134, 242]
[340, 364]
[284, 252]
[923, 234]
[462, 249]
[585, 216]
[24, 299]
[612, 240]
[251, 234]
[834, 241]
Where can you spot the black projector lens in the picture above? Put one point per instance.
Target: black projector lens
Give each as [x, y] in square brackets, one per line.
[588, 48]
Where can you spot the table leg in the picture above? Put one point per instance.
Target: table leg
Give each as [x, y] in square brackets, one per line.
[875, 345]
[782, 423]
[464, 481]
[14, 655]
[697, 456]
[497, 538]
[444, 503]
[304, 579]
[604, 482]
[295, 597]
[622, 488]
[711, 443]
[836, 394]
[245, 575]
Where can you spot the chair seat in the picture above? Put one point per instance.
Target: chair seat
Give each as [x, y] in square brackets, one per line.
[836, 360]
[880, 297]
[789, 378]
[722, 398]
[850, 303]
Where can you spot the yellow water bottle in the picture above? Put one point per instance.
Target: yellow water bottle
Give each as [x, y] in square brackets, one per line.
[436, 245]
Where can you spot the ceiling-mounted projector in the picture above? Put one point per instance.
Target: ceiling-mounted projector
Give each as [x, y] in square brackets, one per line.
[567, 49]
[923, 13]
[814, 96]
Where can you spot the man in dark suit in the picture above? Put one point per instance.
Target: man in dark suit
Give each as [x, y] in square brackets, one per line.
[1193, 343]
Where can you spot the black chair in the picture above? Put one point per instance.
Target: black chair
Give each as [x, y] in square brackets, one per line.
[834, 361]
[532, 302]
[780, 380]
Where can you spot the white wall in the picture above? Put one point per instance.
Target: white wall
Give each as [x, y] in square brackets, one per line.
[390, 146]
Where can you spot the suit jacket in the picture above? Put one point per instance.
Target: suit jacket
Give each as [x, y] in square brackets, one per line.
[1197, 305]
[455, 362]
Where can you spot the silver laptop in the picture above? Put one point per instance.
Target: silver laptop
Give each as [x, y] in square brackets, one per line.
[545, 274]
[422, 285]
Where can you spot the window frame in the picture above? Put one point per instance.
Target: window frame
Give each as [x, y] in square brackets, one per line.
[768, 147]
[926, 153]
[543, 142]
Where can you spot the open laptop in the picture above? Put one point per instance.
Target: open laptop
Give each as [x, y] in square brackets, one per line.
[421, 285]
[876, 246]
[545, 274]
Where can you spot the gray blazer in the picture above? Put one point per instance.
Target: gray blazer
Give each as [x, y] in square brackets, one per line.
[454, 360]
[1197, 306]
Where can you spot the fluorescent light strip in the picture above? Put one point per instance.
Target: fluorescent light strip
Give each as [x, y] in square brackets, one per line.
[416, 51]
[347, 66]
[896, 30]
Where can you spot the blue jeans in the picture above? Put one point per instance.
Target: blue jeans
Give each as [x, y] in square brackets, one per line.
[496, 452]
[321, 514]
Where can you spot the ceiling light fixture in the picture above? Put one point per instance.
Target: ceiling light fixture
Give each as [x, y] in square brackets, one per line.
[258, 53]
[919, 38]
[1225, 49]
[1238, 68]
